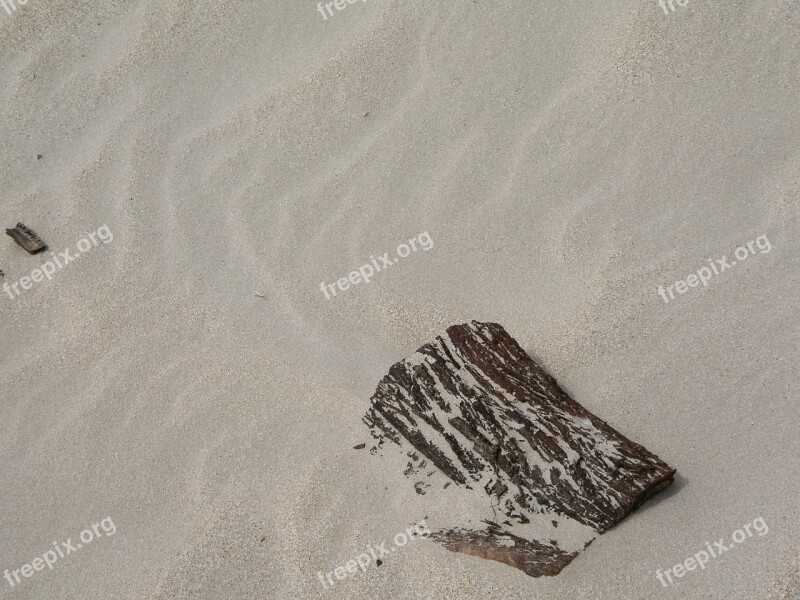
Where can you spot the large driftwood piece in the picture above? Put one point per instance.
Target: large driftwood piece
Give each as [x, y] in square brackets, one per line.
[475, 405]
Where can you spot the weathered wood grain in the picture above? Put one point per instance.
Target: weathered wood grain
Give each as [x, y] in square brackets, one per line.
[476, 406]
[26, 238]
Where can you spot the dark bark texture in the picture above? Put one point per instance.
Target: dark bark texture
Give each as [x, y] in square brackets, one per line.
[26, 238]
[476, 406]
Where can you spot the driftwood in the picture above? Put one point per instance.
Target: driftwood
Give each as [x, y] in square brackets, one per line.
[478, 408]
[27, 239]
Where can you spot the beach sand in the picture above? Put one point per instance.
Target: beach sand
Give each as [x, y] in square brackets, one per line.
[191, 381]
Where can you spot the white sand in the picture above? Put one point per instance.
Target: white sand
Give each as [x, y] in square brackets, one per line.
[567, 158]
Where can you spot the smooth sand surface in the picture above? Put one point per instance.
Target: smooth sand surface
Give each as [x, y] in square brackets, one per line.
[566, 158]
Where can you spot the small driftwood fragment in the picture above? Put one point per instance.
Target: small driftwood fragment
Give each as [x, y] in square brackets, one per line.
[497, 425]
[532, 557]
[26, 238]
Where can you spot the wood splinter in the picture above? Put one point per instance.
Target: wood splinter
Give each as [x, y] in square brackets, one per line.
[26, 238]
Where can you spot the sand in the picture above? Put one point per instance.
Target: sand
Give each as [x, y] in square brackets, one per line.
[191, 381]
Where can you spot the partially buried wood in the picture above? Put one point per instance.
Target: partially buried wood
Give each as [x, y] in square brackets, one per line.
[27, 239]
[477, 407]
